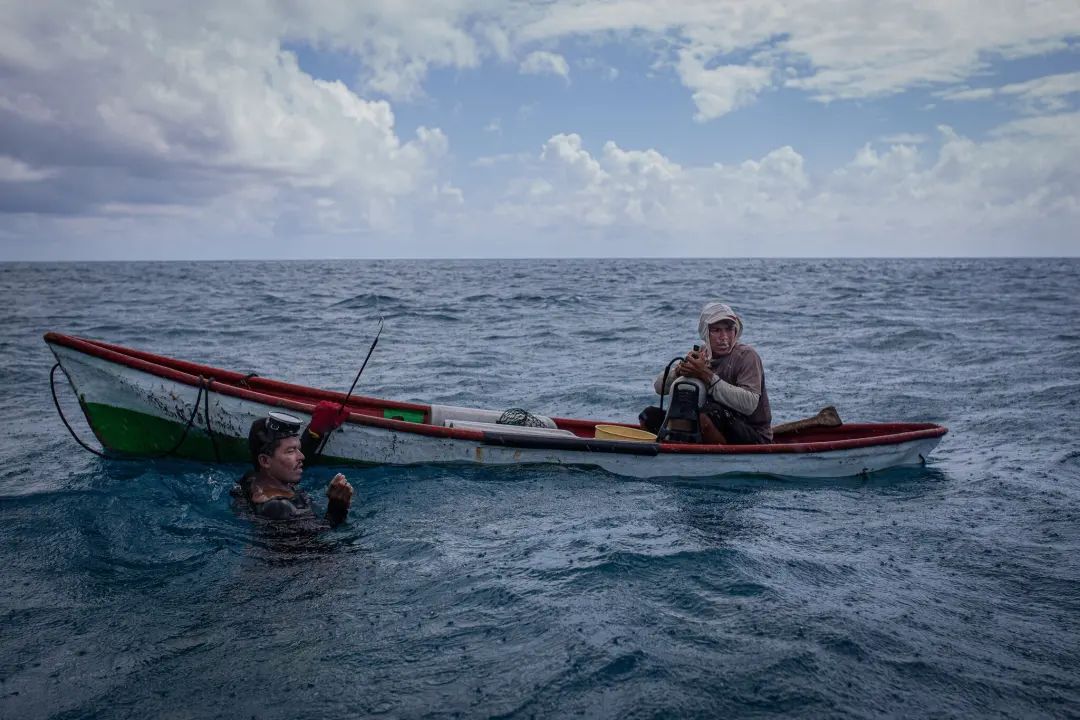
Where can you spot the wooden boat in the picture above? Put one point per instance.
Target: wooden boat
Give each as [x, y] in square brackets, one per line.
[142, 404]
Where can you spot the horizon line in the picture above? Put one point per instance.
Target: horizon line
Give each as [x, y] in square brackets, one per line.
[555, 258]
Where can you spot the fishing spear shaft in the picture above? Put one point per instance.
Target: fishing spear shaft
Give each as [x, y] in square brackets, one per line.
[361, 371]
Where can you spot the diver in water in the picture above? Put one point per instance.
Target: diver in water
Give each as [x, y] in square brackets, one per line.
[278, 449]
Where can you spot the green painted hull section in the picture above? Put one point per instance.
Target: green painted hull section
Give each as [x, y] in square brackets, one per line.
[137, 433]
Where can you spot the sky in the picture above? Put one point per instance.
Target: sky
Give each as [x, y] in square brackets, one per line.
[562, 128]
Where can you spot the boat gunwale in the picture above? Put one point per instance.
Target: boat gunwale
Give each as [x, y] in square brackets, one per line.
[193, 374]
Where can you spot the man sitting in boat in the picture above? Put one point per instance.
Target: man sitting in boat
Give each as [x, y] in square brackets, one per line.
[722, 384]
[278, 449]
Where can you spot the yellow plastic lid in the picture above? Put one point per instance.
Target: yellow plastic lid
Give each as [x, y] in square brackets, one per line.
[620, 432]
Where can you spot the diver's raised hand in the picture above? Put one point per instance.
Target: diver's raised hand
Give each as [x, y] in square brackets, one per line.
[340, 491]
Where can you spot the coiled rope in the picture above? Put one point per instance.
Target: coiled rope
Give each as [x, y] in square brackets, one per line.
[204, 395]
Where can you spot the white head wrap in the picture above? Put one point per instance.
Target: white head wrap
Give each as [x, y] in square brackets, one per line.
[715, 312]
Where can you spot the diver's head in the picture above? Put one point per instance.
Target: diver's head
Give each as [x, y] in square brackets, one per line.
[274, 446]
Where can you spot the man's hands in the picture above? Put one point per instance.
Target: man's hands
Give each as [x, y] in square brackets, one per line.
[695, 366]
[328, 416]
[340, 490]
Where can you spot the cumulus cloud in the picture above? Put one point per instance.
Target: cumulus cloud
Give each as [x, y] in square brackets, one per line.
[114, 111]
[717, 91]
[395, 43]
[541, 62]
[900, 199]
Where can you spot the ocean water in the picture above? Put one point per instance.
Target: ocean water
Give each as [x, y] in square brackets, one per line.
[132, 589]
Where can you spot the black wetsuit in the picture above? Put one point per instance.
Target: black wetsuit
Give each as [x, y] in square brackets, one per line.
[298, 507]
